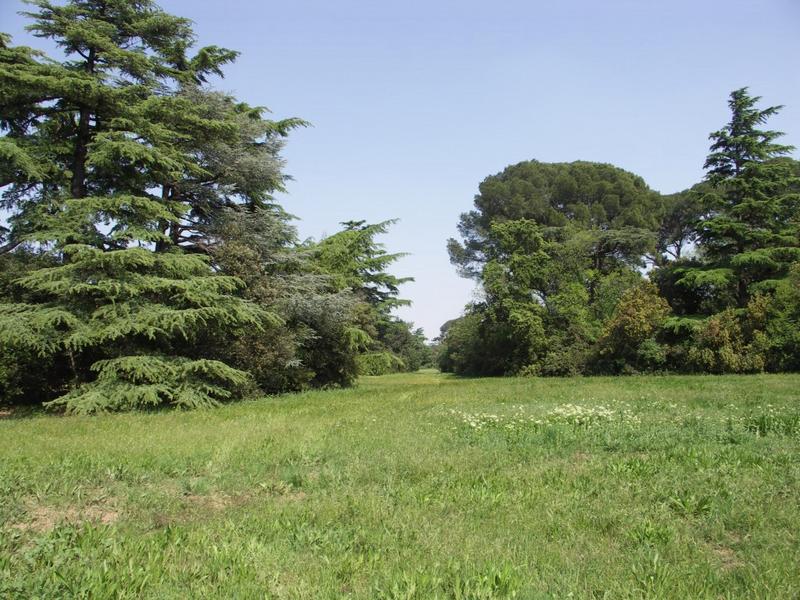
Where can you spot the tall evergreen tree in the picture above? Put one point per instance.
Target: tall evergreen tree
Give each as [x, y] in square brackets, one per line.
[355, 261]
[99, 143]
[750, 234]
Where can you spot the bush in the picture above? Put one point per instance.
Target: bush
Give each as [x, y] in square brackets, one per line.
[724, 344]
[628, 343]
[783, 325]
[379, 363]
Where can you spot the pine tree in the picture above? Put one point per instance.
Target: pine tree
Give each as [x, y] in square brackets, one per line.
[88, 142]
[750, 235]
[354, 261]
[359, 263]
[129, 323]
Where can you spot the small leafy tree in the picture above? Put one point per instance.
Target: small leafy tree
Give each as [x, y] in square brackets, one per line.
[628, 342]
[316, 344]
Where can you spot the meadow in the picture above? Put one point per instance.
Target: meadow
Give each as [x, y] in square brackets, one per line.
[416, 485]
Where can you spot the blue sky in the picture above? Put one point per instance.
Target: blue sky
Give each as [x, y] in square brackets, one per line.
[413, 103]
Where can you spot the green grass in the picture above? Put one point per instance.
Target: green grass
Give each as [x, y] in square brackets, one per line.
[416, 486]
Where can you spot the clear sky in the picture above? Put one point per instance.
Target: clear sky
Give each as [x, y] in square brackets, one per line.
[414, 102]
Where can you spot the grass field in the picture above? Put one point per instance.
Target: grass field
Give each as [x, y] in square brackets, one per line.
[416, 486]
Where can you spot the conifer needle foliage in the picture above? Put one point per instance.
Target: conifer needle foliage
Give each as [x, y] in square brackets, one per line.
[563, 252]
[113, 159]
[154, 265]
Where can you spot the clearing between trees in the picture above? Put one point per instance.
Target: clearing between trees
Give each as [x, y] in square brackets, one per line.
[416, 486]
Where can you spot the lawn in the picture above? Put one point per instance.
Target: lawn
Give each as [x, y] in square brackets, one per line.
[416, 486]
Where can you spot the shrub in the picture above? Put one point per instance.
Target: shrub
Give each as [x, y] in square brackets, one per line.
[379, 363]
[628, 342]
[731, 342]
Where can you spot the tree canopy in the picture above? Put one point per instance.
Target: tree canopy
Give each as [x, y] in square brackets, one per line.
[563, 252]
[155, 266]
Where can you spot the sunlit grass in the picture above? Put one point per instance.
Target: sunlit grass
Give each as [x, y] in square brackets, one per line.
[416, 486]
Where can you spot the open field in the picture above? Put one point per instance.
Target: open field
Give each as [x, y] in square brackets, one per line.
[416, 486]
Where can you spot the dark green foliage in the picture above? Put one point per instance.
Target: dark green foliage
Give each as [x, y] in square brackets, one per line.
[677, 230]
[554, 246]
[158, 269]
[114, 313]
[750, 233]
[316, 342]
[25, 377]
[465, 347]
[92, 138]
[748, 240]
[559, 251]
[783, 324]
[615, 209]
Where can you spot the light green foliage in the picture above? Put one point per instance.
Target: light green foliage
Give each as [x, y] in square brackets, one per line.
[355, 262]
[732, 341]
[379, 363]
[136, 382]
[638, 487]
[628, 342]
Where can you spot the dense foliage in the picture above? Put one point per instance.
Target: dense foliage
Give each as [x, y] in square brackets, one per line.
[584, 269]
[145, 261]
[355, 262]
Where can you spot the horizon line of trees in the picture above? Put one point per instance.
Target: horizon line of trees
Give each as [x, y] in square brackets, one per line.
[145, 261]
[584, 269]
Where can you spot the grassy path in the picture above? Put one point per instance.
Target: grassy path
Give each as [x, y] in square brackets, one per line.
[416, 486]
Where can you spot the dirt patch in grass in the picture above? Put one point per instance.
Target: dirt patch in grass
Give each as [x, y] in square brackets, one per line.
[726, 557]
[41, 518]
[579, 458]
[200, 506]
[215, 501]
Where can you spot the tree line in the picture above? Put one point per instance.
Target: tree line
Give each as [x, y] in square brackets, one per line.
[584, 269]
[145, 261]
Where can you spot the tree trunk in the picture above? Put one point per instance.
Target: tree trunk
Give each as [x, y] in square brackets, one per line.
[83, 137]
[163, 225]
